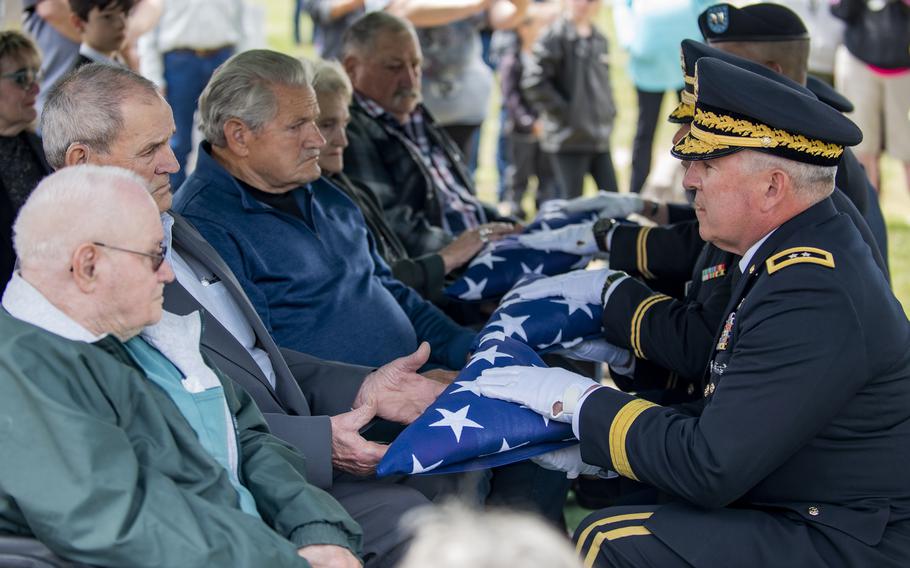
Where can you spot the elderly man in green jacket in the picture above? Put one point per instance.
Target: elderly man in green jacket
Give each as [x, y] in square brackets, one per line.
[120, 445]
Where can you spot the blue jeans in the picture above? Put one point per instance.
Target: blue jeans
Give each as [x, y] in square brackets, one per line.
[186, 75]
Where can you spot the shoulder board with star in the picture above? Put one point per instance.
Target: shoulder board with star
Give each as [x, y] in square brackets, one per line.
[799, 255]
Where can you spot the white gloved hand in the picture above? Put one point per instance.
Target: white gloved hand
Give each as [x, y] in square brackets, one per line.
[538, 388]
[584, 286]
[567, 460]
[551, 206]
[598, 351]
[609, 204]
[575, 239]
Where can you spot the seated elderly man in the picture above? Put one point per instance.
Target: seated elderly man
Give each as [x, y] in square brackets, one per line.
[121, 446]
[106, 115]
[298, 245]
[396, 149]
[425, 273]
[789, 458]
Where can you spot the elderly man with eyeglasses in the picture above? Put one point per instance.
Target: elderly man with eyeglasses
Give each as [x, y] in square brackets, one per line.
[122, 446]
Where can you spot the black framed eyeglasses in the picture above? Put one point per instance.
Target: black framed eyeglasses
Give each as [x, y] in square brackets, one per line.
[157, 258]
[24, 78]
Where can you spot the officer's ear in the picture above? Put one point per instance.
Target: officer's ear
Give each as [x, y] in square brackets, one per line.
[778, 187]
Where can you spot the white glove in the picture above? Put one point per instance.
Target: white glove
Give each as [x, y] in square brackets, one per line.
[538, 388]
[567, 460]
[576, 239]
[584, 286]
[551, 205]
[609, 204]
[599, 351]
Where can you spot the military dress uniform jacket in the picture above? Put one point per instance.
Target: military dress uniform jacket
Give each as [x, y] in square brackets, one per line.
[806, 415]
[101, 466]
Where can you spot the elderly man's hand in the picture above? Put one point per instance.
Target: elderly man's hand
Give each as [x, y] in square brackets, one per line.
[553, 393]
[350, 451]
[329, 556]
[397, 391]
[457, 253]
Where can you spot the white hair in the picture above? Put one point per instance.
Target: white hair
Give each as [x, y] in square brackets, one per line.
[242, 88]
[70, 207]
[329, 78]
[453, 536]
[810, 182]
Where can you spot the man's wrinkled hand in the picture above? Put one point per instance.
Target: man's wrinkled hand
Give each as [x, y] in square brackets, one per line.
[457, 253]
[350, 451]
[397, 391]
[329, 556]
[443, 376]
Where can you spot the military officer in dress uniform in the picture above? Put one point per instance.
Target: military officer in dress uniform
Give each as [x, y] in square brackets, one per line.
[669, 337]
[795, 454]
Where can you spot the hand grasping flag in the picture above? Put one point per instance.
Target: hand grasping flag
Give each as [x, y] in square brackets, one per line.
[502, 263]
[463, 431]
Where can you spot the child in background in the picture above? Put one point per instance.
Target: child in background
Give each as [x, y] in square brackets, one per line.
[102, 24]
[568, 81]
[522, 126]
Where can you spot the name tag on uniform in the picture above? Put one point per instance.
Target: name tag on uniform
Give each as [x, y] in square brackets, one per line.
[713, 272]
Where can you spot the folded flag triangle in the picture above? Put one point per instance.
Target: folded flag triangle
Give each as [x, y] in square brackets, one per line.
[502, 263]
[547, 324]
[463, 431]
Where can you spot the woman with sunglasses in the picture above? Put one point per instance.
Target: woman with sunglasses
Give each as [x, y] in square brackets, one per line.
[22, 163]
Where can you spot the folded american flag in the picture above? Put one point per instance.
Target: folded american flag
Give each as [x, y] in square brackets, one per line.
[502, 263]
[463, 431]
[547, 324]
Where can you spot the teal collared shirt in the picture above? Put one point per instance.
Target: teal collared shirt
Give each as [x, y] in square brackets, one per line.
[205, 410]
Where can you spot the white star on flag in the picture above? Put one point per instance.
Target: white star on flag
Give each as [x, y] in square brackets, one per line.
[467, 386]
[526, 270]
[489, 355]
[505, 447]
[511, 325]
[418, 468]
[574, 306]
[492, 336]
[487, 259]
[475, 289]
[552, 343]
[456, 421]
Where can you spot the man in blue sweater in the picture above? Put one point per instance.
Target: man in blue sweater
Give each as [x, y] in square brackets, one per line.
[298, 245]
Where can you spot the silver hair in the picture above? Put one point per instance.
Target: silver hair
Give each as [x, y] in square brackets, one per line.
[329, 78]
[242, 88]
[452, 536]
[69, 207]
[85, 106]
[810, 182]
[360, 38]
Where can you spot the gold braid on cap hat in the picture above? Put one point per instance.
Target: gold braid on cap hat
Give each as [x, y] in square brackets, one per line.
[758, 135]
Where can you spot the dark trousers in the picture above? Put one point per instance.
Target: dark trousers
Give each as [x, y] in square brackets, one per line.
[466, 137]
[186, 75]
[570, 169]
[528, 160]
[643, 144]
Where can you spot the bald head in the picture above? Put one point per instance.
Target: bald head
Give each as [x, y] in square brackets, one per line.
[88, 238]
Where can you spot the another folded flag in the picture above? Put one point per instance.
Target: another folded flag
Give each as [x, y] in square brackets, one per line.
[502, 263]
[463, 431]
[547, 324]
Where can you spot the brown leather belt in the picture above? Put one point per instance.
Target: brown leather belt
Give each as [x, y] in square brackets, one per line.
[208, 52]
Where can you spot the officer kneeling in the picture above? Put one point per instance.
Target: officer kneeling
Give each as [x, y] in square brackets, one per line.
[794, 457]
